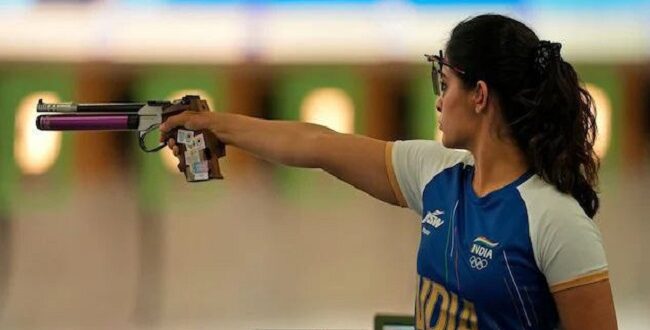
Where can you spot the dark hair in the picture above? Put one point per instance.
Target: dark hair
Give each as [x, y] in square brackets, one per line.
[547, 112]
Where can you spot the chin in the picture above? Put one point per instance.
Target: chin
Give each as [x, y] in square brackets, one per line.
[445, 141]
[450, 143]
[447, 145]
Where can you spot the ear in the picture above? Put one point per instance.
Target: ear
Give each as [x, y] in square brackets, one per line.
[481, 93]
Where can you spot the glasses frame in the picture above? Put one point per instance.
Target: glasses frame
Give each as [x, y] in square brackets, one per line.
[437, 61]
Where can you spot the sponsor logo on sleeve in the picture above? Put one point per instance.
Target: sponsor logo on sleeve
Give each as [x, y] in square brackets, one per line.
[433, 219]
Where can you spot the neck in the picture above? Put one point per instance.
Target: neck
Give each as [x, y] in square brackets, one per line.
[497, 162]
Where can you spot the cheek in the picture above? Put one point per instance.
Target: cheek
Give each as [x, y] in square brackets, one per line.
[452, 108]
[457, 115]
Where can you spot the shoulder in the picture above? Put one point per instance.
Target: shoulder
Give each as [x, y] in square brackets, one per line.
[545, 203]
[428, 152]
[411, 164]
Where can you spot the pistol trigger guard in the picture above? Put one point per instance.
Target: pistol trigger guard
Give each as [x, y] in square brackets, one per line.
[143, 134]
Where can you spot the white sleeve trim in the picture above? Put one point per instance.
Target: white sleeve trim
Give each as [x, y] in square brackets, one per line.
[416, 162]
[566, 243]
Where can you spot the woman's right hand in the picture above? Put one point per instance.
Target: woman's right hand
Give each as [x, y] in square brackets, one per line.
[189, 120]
[197, 122]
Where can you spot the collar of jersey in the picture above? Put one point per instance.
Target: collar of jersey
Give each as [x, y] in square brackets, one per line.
[496, 194]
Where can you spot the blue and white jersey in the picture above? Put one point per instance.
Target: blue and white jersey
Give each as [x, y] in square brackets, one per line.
[490, 262]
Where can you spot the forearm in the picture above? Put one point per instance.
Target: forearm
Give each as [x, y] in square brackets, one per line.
[355, 159]
[286, 142]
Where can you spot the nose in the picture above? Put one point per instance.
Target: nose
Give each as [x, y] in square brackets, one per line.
[439, 104]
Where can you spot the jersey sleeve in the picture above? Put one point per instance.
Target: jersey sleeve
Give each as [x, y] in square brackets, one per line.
[412, 164]
[567, 245]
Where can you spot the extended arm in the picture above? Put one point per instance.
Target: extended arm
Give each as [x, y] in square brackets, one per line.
[355, 159]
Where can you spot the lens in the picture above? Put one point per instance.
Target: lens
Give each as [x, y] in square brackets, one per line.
[436, 70]
[435, 78]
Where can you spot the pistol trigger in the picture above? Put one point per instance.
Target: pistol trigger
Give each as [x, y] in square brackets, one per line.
[143, 135]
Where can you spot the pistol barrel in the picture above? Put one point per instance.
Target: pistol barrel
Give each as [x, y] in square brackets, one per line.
[68, 122]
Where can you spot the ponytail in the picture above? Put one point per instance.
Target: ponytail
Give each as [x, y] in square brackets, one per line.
[557, 131]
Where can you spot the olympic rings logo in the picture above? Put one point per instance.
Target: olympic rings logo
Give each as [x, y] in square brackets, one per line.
[477, 262]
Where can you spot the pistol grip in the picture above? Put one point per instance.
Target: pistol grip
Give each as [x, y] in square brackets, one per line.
[198, 155]
[215, 150]
[206, 151]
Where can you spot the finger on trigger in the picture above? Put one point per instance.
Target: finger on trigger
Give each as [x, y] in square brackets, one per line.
[173, 121]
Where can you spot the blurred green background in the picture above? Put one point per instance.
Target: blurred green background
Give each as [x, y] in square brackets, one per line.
[95, 234]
